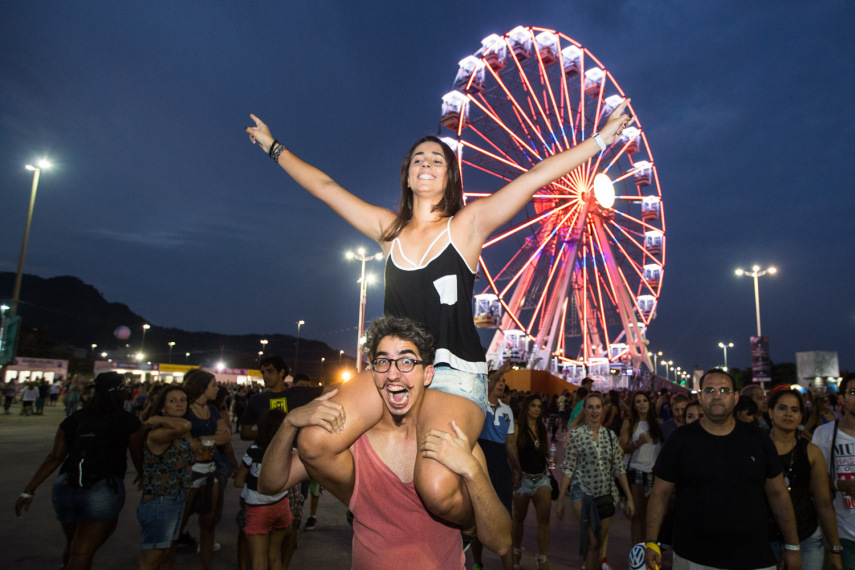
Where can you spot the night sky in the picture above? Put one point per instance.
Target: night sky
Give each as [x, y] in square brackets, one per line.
[159, 200]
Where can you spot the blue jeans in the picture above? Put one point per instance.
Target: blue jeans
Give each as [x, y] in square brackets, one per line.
[160, 520]
[811, 549]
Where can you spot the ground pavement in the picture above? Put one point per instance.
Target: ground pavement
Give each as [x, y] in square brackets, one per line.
[35, 540]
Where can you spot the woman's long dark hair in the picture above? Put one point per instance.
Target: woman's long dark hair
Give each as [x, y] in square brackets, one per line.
[652, 422]
[524, 438]
[195, 383]
[452, 197]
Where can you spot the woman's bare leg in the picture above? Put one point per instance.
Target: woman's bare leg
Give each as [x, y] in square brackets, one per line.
[520, 511]
[442, 491]
[363, 408]
[206, 530]
[258, 548]
[542, 507]
[639, 518]
[88, 538]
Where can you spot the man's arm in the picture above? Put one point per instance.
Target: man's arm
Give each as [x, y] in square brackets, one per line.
[282, 468]
[491, 518]
[782, 508]
[658, 503]
[513, 458]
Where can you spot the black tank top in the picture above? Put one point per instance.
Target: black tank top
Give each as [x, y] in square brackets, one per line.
[438, 295]
[796, 466]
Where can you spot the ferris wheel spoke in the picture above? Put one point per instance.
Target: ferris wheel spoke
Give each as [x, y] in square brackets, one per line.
[641, 223]
[636, 267]
[530, 93]
[500, 123]
[499, 151]
[515, 105]
[524, 225]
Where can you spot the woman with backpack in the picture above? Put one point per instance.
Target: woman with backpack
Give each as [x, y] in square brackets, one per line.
[166, 478]
[91, 447]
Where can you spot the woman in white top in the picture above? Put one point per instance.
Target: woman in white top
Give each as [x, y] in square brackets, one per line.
[432, 218]
[640, 438]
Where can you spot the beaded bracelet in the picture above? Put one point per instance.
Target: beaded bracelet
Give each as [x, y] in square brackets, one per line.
[275, 152]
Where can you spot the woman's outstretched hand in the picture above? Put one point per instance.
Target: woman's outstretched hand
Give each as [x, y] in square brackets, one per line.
[259, 134]
[616, 123]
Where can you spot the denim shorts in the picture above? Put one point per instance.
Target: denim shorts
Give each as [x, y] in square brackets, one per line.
[467, 385]
[528, 486]
[575, 491]
[261, 519]
[160, 520]
[103, 501]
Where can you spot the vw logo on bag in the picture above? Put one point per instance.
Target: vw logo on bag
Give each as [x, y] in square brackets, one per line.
[636, 557]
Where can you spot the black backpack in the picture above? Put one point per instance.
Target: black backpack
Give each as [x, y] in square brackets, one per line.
[88, 460]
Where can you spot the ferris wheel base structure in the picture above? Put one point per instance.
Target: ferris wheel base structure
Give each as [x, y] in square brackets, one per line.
[571, 284]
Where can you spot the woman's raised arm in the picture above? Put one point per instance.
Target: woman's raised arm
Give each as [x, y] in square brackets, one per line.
[369, 219]
[485, 215]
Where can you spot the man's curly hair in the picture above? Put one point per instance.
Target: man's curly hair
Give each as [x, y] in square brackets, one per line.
[402, 328]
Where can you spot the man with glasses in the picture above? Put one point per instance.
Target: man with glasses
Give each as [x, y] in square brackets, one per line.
[837, 442]
[391, 526]
[723, 472]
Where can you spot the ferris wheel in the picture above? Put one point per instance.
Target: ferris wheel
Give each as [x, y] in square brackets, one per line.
[573, 281]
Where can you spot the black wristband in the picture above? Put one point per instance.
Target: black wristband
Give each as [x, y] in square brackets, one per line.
[272, 148]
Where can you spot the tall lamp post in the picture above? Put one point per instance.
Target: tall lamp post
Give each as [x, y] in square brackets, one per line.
[363, 293]
[724, 347]
[297, 350]
[756, 272]
[171, 343]
[145, 327]
[16, 293]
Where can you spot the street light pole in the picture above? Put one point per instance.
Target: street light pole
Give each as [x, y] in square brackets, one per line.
[755, 273]
[724, 347]
[16, 293]
[145, 327]
[363, 294]
[171, 344]
[297, 350]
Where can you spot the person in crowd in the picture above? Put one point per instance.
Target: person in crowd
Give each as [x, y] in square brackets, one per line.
[90, 449]
[268, 517]
[663, 406]
[746, 409]
[207, 431]
[432, 247]
[310, 488]
[391, 525]
[579, 399]
[498, 442]
[679, 401]
[822, 413]
[72, 395]
[535, 486]
[694, 411]
[55, 390]
[836, 441]
[613, 412]
[44, 390]
[29, 395]
[807, 483]
[166, 478]
[274, 373]
[640, 438]
[593, 460]
[756, 393]
[10, 392]
[726, 476]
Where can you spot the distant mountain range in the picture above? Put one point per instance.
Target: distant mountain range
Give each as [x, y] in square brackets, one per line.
[63, 317]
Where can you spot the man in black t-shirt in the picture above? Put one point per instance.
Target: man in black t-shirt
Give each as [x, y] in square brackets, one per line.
[274, 372]
[723, 473]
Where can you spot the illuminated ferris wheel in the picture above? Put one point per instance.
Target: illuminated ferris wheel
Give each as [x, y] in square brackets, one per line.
[573, 281]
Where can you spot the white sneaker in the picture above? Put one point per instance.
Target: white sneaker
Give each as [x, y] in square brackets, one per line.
[217, 546]
[605, 566]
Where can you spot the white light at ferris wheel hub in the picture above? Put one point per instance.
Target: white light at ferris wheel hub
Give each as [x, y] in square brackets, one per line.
[585, 258]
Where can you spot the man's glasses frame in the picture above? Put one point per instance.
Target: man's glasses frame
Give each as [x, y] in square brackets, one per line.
[710, 391]
[404, 364]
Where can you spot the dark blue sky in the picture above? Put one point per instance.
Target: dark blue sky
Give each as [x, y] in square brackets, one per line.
[159, 200]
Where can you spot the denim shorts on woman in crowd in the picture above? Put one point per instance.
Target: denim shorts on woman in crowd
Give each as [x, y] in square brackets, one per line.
[468, 385]
[103, 501]
[530, 483]
[160, 520]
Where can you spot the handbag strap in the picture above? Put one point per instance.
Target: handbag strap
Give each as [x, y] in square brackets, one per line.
[831, 465]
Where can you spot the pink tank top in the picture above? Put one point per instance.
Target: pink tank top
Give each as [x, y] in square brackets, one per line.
[391, 527]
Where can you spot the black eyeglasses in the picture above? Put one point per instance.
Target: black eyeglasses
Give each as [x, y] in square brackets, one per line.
[403, 364]
[714, 391]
